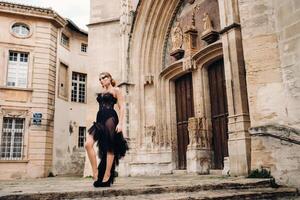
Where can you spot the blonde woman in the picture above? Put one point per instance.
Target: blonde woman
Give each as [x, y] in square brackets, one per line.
[107, 132]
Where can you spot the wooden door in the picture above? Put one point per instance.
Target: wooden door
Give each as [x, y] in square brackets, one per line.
[184, 110]
[219, 112]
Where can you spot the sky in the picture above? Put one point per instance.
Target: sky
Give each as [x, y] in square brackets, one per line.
[76, 10]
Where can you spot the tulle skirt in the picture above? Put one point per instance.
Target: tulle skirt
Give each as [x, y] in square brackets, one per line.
[104, 133]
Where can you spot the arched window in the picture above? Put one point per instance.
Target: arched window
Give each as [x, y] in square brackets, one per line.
[20, 29]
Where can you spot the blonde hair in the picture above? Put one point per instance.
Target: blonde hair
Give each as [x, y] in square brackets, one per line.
[112, 81]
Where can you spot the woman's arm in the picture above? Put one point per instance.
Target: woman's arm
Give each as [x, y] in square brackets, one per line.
[121, 106]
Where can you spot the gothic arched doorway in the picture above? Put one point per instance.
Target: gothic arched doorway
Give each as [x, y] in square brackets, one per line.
[219, 113]
[184, 110]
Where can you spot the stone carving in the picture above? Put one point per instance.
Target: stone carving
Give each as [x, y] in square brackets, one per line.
[207, 25]
[188, 64]
[177, 37]
[177, 40]
[190, 38]
[198, 152]
[150, 133]
[198, 133]
[14, 113]
[148, 79]
[209, 35]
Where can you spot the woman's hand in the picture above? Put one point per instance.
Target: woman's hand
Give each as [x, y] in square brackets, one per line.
[119, 128]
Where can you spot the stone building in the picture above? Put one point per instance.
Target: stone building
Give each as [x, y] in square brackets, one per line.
[209, 84]
[40, 103]
[70, 102]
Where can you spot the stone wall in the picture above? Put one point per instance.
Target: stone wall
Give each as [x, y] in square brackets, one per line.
[287, 24]
[38, 95]
[104, 54]
[270, 31]
[68, 158]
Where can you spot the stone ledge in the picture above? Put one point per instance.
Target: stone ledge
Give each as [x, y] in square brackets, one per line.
[277, 131]
[14, 161]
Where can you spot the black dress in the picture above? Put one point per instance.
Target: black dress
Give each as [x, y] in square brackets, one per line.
[104, 133]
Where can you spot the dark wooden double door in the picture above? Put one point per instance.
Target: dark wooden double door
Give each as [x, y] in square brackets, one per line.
[185, 110]
[219, 113]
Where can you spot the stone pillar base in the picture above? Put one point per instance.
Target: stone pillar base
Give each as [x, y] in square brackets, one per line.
[198, 160]
[239, 154]
[226, 168]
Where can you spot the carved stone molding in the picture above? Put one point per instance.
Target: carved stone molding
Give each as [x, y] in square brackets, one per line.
[46, 13]
[14, 113]
[150, 134]
[197, 132]
[188, 64]
[148, 79]
[190, 38]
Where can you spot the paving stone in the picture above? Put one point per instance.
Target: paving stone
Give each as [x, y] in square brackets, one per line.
[160, 187]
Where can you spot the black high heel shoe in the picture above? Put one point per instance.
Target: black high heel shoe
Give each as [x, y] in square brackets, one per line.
[103, 184]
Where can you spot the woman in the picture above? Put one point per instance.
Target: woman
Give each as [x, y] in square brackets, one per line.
[107, 131]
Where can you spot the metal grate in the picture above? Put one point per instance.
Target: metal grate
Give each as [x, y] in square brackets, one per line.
[12, 139]
[81, 137]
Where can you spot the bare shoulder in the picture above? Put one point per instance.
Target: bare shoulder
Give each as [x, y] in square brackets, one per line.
[118, 92]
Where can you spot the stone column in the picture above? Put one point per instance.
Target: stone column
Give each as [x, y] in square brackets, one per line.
[198, 152]
[238, 114]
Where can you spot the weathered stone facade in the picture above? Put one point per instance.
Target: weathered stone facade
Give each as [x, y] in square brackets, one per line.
[257, 42]
[70, 115]
[271, 46]
[208, 84]
[45, 146]
[36, 96]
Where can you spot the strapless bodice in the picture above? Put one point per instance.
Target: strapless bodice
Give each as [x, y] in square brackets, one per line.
[106, 100]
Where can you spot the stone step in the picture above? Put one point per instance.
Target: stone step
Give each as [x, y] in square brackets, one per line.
[154, 188]
[238, 194]
[179, 171]
[215, 172]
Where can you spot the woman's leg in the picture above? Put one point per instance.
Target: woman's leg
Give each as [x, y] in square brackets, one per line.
[89, 146]
[110, 126]
[109, 163]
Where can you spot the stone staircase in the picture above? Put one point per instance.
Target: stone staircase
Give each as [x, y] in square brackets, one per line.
[172, 187]
[224, 191]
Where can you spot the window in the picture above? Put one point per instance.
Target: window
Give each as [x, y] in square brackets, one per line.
[81, 137]
[12, 138]
[64, 40]
[17, 69]
[83, 47]
[20, 29]
[63, 81]
[78, 87]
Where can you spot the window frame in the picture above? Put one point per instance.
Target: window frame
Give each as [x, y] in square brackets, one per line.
[62, 36]
[66, 98]
[78, 82]
[18, 65]
[13, 136]
[80, 143]
[22, 23]
[83, 46]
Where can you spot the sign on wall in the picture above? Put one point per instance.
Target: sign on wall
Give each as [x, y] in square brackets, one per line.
[37, 118]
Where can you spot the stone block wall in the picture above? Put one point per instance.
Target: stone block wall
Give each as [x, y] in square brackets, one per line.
[271, 43]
